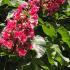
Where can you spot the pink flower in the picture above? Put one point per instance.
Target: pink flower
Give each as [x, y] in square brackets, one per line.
[19, 30]
[5, 35]
[17, 34]
[29, 33]
[35, 16]
[1, 41]
[11, 24]
[34, 10]
[33, 22]
[19, 10]
[21, 52]
[8, 44]
[23, 38]
[24, 5]
[16, 15]
[19, 26]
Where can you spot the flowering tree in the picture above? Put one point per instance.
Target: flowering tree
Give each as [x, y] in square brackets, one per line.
[34, 34]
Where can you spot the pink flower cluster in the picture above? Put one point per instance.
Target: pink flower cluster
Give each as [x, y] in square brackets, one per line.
[19, 31]
[53, 5]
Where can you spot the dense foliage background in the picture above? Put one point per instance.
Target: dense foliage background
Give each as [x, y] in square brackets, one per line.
[54, 29]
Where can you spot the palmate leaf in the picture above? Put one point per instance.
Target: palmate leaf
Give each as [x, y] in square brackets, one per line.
[65, 35]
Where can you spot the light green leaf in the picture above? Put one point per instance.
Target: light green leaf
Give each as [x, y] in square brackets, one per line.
[49, 30]
[65, 35]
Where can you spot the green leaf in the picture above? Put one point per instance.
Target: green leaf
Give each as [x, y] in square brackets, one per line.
[65, 35]
[49, 30]
[40, 20]
[55, 55]
[13, 3]
[31, 66]
[45, 67]
[67, 11]
[5, 2]
[49, 54]
[59, 57]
